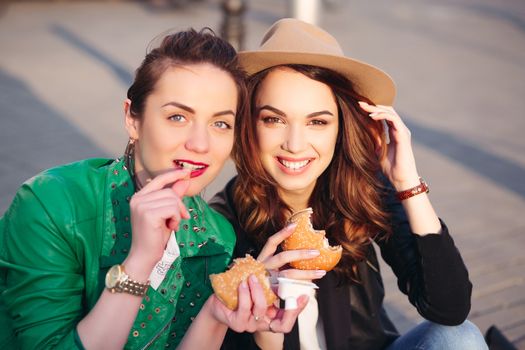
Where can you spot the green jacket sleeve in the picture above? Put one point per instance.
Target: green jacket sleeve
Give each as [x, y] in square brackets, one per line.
[41, 274]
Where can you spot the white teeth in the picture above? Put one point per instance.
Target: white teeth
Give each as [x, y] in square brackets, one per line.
[186, 165]
[294, 165]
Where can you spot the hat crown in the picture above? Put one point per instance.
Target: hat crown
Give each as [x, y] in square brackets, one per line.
[292, 41]
[293, 35]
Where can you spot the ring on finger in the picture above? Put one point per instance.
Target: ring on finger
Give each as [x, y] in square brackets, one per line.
[270, 327]
[257, 318]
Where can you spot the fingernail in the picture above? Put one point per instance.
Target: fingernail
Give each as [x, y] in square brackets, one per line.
[244, 285]
[254, 279]
[320, 273]
[314, 252]
[373, 114]
[362, 102]
[291, 226]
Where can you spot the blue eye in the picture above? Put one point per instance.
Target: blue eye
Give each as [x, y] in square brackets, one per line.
[177, 118]
[222, 125]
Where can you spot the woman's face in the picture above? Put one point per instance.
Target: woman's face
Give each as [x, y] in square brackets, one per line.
[187, 122]
[297, 125]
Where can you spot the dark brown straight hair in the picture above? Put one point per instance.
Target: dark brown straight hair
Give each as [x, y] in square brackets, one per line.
[182, 48]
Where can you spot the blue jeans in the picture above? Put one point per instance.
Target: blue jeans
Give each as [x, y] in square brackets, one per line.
[432, 336]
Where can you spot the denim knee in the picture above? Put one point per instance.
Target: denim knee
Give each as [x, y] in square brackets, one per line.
[432, 336]
[471, 337]
[465, 336]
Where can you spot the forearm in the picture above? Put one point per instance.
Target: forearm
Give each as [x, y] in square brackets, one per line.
[206, 332]
[444, 295]
[108, 324]
[419, 210]
[268, 340]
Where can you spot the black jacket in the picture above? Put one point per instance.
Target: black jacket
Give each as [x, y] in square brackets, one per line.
[429, 270]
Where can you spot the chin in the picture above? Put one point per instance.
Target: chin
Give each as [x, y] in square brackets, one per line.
[197, 185]
[193, 191]
[294, 187]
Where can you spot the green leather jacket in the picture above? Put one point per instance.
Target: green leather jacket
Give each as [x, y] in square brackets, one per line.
[63, 231]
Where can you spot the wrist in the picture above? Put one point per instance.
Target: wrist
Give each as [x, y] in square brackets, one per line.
[138, 269]
[407, 183]
[209, 310]
[410, 192]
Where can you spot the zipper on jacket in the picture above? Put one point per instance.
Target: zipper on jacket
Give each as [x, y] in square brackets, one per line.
[148, 344]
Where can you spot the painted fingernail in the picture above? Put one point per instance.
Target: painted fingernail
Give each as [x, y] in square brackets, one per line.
[320, 273]
[314, 252]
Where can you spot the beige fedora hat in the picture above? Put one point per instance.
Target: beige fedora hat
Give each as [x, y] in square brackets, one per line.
[292, 41]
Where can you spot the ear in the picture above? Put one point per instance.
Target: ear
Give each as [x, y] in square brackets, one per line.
[132, 124]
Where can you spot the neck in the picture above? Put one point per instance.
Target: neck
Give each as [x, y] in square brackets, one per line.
[140, 176]
[297, 199]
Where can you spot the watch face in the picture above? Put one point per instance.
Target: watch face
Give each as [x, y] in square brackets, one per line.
[113, 276]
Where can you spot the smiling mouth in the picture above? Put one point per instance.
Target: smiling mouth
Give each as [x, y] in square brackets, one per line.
[298, 165]
[190, 166]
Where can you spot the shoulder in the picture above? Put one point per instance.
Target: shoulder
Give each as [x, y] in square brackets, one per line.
[223, 203]
[78, 174]
[72, 188]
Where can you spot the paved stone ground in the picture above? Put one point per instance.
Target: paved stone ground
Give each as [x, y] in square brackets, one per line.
[459, 67]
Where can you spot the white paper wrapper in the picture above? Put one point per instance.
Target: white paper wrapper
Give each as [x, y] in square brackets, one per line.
[160, 270]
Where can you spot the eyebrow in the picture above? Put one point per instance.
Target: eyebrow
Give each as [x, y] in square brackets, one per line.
[191, 110]
[281, 113]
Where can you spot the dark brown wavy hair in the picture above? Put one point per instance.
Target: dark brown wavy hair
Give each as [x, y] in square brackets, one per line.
[346, 199]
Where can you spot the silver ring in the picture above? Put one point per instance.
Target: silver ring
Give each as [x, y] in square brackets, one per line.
[270, 327]
[257, 318]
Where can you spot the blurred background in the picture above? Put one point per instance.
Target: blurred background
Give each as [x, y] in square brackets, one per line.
[65, 67]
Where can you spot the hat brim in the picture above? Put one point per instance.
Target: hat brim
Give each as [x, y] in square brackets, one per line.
[369, 81]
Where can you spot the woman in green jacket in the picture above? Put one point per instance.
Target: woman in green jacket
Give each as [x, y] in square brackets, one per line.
[107, 253]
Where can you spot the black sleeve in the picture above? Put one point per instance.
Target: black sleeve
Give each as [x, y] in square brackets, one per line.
[429, 268]
[222, 202]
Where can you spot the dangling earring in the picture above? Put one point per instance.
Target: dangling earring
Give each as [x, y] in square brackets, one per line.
[128, 154]
[130, 148]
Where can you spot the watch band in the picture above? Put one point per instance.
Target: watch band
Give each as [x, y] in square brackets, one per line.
[414, 191]
[118, 281]
[132, 287]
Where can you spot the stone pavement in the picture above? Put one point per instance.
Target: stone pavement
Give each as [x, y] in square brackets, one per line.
[459, 67]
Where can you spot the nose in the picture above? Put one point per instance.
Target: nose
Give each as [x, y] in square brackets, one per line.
[198, 140]
[295, 139]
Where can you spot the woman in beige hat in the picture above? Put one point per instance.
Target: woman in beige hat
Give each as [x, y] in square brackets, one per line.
[323, 134]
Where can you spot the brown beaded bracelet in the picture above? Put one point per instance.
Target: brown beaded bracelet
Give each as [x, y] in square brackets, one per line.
[414, 191]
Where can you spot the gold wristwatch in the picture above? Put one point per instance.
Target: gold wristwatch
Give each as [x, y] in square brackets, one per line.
[117, 281]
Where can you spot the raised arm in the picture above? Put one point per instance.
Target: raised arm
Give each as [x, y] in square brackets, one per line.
[421, 252]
